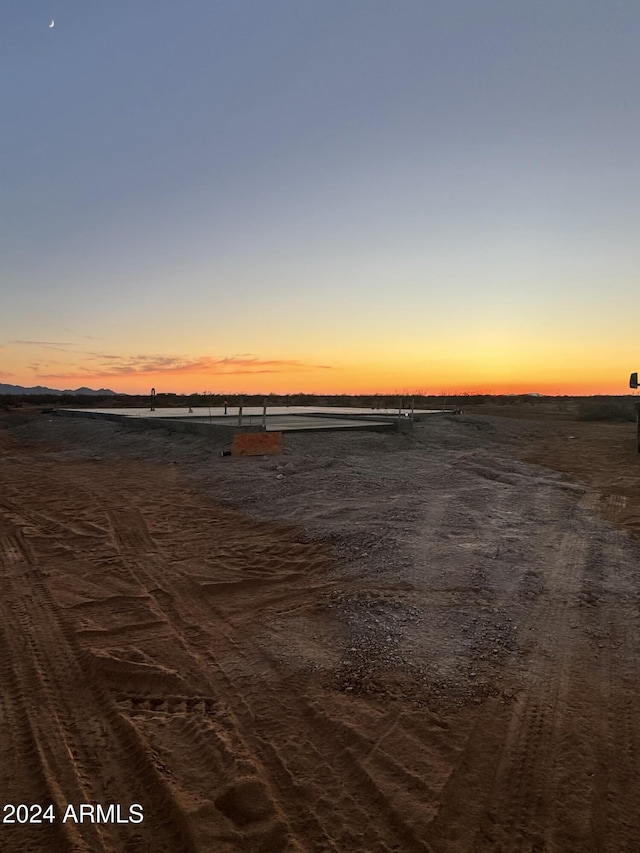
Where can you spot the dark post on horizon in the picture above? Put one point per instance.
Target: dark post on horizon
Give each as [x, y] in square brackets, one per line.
[153, 399]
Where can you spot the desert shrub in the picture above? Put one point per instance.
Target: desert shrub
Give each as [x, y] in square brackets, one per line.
[612, 410]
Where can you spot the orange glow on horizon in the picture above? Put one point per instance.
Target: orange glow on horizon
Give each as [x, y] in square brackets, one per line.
[455, 373]
[283, 388]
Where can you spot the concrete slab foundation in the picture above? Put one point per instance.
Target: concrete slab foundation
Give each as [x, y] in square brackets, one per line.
[254, 419]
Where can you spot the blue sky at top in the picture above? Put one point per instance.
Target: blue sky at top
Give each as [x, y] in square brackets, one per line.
[416, 186]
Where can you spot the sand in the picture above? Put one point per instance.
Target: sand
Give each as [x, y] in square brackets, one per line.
[421, 642]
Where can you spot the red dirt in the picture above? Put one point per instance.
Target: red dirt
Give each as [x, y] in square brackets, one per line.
[418, 642]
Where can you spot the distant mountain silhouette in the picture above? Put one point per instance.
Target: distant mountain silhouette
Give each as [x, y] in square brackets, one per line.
[39, 389]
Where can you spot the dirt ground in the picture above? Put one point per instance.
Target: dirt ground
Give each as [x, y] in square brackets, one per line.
[372, 642]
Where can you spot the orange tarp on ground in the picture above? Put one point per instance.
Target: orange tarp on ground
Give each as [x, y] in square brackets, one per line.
[256, 443]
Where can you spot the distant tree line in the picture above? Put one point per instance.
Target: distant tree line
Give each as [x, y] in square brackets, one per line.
[374, 401]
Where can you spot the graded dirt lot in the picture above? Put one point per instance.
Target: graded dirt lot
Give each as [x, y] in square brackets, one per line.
[373, 642]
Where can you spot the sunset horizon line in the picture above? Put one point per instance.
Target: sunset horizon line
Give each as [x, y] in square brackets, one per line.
[483, 391]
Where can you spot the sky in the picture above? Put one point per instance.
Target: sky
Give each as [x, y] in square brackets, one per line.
[329, 196]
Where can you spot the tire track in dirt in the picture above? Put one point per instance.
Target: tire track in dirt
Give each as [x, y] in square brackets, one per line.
[612, 644]
[603, 772]
[523, 789]
[527, 745]
[83, 751]
[25, 775]
[42, 524]
[245, 811]
[310, 787]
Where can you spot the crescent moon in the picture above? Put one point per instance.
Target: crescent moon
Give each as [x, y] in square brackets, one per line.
[52, 24]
